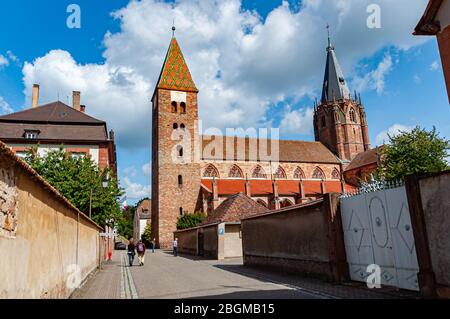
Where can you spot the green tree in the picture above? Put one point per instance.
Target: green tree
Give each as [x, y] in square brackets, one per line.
[147, 235]
[190, 220]
[125, 222]
[418, 151]
[79, 179]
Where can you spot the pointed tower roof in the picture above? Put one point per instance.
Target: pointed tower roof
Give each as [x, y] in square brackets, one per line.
[175, 74]
[334, 85]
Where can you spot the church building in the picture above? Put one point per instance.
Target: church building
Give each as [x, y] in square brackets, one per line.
[191, 172]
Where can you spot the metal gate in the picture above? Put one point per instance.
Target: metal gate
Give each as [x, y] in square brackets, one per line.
[377, 230]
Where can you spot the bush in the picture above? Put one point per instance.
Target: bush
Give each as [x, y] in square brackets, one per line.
[190, 220]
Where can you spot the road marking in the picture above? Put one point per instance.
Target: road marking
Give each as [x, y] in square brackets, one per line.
[127, 286]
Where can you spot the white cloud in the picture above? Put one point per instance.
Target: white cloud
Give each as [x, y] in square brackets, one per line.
[394, 130]
[417, 79]
[5, 108]
[375, 80]
[3, 61]
[434, 66]
[135, 191]
[147, 169]
[297, 121]
[260, 62]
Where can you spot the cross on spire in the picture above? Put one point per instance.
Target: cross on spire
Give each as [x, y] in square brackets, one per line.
[329, 36]
[173, 28]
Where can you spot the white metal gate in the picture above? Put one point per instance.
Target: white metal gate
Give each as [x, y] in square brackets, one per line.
[377, 230]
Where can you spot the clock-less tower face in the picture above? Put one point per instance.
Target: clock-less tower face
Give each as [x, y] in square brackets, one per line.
[175, 170]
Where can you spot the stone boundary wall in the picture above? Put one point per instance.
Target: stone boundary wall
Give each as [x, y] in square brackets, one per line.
[47, 245]
[304, 239]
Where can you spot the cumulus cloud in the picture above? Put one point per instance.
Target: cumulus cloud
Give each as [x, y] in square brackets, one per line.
[3, 61]
[375, 79]
[394, 130]
[5, 108]
[135, 191]
[297, 121]
[434, 66]
[147, 169]
[241, 63]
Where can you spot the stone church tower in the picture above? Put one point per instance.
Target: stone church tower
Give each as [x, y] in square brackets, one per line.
[340, 120]
[175, 171]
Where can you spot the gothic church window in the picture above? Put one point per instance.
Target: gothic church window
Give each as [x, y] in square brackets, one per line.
[211, 172]
[299, 174]
[318, 174]
[174, 108]
[183, 107]
[175, 126]
[261, 202]
[182, 126]
[336, 174]
[236, 172]
[280, 173]
[180, 151]
[180, 180]
[352, 116]
[259, 172]
[286, 203]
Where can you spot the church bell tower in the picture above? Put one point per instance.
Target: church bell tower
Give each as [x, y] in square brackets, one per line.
[340, 119]
[175, 170]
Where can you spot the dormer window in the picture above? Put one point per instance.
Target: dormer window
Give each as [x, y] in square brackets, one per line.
[31, 134]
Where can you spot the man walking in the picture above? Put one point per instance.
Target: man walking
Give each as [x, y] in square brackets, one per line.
[153, 245]
[175, 247]
[131, 252]
[140, 247]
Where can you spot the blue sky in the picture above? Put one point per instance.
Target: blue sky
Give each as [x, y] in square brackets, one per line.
[400, 79]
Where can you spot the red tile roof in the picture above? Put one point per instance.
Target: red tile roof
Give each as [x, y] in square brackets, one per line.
[289, 151]
[234, 209]
[364, 159]
[175, 74]
[264, 187]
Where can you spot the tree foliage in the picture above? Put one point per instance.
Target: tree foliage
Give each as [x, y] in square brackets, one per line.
[418, 151]
[147, 235]
[79, 179]
[125, 223]
[190, 220]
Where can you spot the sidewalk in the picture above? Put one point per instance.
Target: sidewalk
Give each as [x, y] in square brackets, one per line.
[104, 284]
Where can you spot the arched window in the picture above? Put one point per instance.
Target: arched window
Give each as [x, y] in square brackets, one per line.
[181, 211]
[174, 107]
[286, 203]
[180, 151]
[182, 126]
[352, 116]
[299, 174]
[211, 172]
[259, 172]
[180, 180]
[336, 174]
[236, 172]
[318, 174]
[183, 107]
[280, 173]
[175, 126]
[261, 202]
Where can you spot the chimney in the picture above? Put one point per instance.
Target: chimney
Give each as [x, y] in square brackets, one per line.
[35, 96]
[76, 99]
[83, 108]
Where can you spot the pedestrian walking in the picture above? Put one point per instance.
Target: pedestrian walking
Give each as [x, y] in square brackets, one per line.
[175, 247]
[140, 248]
[131, 252]
[153, 245]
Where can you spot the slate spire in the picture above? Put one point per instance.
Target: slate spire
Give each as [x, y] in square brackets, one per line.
[334, 85]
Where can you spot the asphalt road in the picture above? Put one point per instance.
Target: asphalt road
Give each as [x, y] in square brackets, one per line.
[165, 276]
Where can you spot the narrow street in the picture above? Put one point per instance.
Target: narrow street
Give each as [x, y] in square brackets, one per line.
[183, 277]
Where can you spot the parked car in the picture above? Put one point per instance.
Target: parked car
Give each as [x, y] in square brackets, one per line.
[120, 246]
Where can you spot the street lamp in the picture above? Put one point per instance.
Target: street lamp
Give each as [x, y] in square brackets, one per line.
[105, 183]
